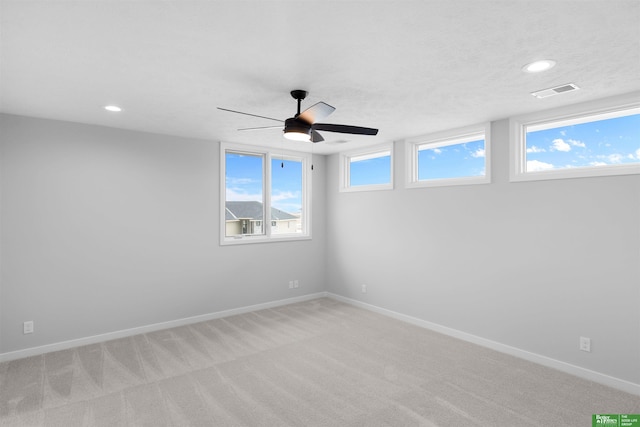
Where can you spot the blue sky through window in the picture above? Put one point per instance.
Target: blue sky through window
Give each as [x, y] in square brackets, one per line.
[286, 185]
[370, 171]
[243, 175]
[606, 142]
[452, 161]
[244, 181]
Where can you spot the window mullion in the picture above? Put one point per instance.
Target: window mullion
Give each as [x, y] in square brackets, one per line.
[304, 210]
[267, 194]
[347, 172]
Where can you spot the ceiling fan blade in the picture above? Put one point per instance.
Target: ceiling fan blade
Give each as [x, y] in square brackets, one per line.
[316, 137]
[248, 114]
[316, 112]
[263, 128]
[357, 130]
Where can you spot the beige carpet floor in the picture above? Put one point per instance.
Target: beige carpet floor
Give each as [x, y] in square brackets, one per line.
[315, 363]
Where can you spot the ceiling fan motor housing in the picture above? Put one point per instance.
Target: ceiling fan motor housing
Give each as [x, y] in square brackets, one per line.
[295, 126]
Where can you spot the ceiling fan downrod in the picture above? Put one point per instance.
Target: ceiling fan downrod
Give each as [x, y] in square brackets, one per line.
[299, 95]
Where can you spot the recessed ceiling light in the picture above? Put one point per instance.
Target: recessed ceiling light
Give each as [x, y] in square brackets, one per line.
[538, 66]
[113, 108]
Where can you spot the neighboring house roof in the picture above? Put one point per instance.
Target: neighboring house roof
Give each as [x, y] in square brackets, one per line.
[228, 215]
[253, 210]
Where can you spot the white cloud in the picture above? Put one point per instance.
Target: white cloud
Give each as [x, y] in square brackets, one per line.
[563, 132]
[577, 143]
[288, 201]
[598, 164]
[536, 165]
[284, 195]
[534, 149]
[478, 153]
[638, 154]
[239, 195]
[560, 145]
[437, 150]
[615, 158]
[612, 158]
[230, 180]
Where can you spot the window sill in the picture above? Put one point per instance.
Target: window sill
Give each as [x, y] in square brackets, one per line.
[447, 182]
[377, 187]
[614, 170]
[248, 240]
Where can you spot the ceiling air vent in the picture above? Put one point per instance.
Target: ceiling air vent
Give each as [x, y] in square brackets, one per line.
[544, 93]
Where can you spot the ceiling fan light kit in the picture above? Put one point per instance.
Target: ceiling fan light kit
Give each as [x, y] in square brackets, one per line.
[296, 130]
[304, 125]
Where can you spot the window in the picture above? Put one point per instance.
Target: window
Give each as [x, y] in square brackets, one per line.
[577, 142]
[368, 169]
[265, 196]
[455, 157]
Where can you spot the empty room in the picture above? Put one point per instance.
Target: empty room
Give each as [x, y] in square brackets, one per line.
[320, 213]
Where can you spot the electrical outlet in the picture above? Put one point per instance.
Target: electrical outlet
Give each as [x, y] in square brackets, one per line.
[296, 283]
[290, 284]
[364, 289]
[27, 327]
[585, 344]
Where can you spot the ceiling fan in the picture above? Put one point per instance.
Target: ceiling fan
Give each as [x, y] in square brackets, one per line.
[304, 125]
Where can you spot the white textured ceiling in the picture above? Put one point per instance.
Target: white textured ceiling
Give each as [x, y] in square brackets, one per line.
[408, 68]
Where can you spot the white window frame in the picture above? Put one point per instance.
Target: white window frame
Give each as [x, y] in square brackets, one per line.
[443, 139]
[269, 155]
[380, 150]
[565, 116]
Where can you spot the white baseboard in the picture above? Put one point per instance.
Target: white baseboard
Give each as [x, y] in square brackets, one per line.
[64, 345]
[568, 368]
[578, 371]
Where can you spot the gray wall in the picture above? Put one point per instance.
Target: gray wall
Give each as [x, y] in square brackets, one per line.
[532, 265]
[105, 230]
